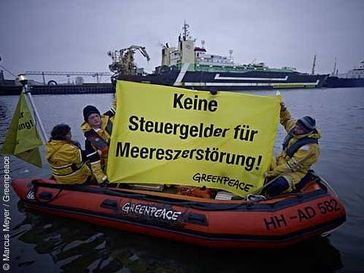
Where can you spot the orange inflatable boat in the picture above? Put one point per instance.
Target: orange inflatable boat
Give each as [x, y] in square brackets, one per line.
[276, 222]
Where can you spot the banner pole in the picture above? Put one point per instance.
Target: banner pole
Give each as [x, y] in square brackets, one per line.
[29, 97]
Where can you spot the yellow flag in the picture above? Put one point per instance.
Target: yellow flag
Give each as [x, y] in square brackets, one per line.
[22, 139]
[170, 135]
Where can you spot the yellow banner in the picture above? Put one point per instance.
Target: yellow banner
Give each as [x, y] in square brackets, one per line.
[168, 135]
[22, 139]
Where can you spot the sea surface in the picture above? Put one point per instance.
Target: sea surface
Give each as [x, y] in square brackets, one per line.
[40, 243]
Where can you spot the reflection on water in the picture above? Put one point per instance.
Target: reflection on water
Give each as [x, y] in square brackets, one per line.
[41, 243]
[80, 247]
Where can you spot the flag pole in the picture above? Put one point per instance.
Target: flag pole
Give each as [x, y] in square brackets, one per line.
[26, 90]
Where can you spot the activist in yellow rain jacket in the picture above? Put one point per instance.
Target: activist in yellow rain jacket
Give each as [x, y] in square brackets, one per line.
[97, 129]
[65, 157]
[300, 152]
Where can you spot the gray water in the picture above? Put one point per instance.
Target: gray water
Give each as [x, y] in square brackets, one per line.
[40, 243]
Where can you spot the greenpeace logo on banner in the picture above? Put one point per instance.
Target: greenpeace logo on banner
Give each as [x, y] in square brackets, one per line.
[222, 180]
[167, 135]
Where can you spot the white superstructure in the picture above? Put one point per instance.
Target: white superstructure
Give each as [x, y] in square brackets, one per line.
[357, 73]
[187, 52]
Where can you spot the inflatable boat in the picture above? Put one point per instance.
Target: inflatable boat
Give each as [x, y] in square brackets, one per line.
[312, 211]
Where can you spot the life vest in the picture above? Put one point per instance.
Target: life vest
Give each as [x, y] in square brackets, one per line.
[99, 142]
[291, 150]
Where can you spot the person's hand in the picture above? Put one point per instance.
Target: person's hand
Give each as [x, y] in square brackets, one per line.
[104, 183]
[76, 143]
[283, 106]
[99, 152]
[268, 174]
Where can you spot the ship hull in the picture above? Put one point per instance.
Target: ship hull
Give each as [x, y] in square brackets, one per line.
[229, 81]
[192, 80]
[335, 82]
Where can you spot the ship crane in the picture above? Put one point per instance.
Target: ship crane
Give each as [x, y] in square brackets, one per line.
[123, 60]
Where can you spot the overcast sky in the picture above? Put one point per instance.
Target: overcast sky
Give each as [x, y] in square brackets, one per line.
[75, 35]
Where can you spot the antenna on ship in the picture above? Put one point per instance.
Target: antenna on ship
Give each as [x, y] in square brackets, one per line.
[186, 32]
[334, 71]
[313, 65]
[231, 54]
[202, 43]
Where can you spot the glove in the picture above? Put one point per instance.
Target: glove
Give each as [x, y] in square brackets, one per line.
[76, 143]
[269, 174]
[104, 183]
[283, 107]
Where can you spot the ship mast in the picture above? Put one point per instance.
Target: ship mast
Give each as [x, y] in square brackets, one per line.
[314, 65]
[186, 32]
[334, 71]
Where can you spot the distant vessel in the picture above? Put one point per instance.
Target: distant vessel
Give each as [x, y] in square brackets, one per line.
[13, 87]
[192, 67]
[354, 78]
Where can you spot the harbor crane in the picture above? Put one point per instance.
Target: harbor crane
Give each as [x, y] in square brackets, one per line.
[123, 60]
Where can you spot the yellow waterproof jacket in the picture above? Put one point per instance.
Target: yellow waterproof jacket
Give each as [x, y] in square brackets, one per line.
[296, 167]
[100, 139]
[65, 161]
